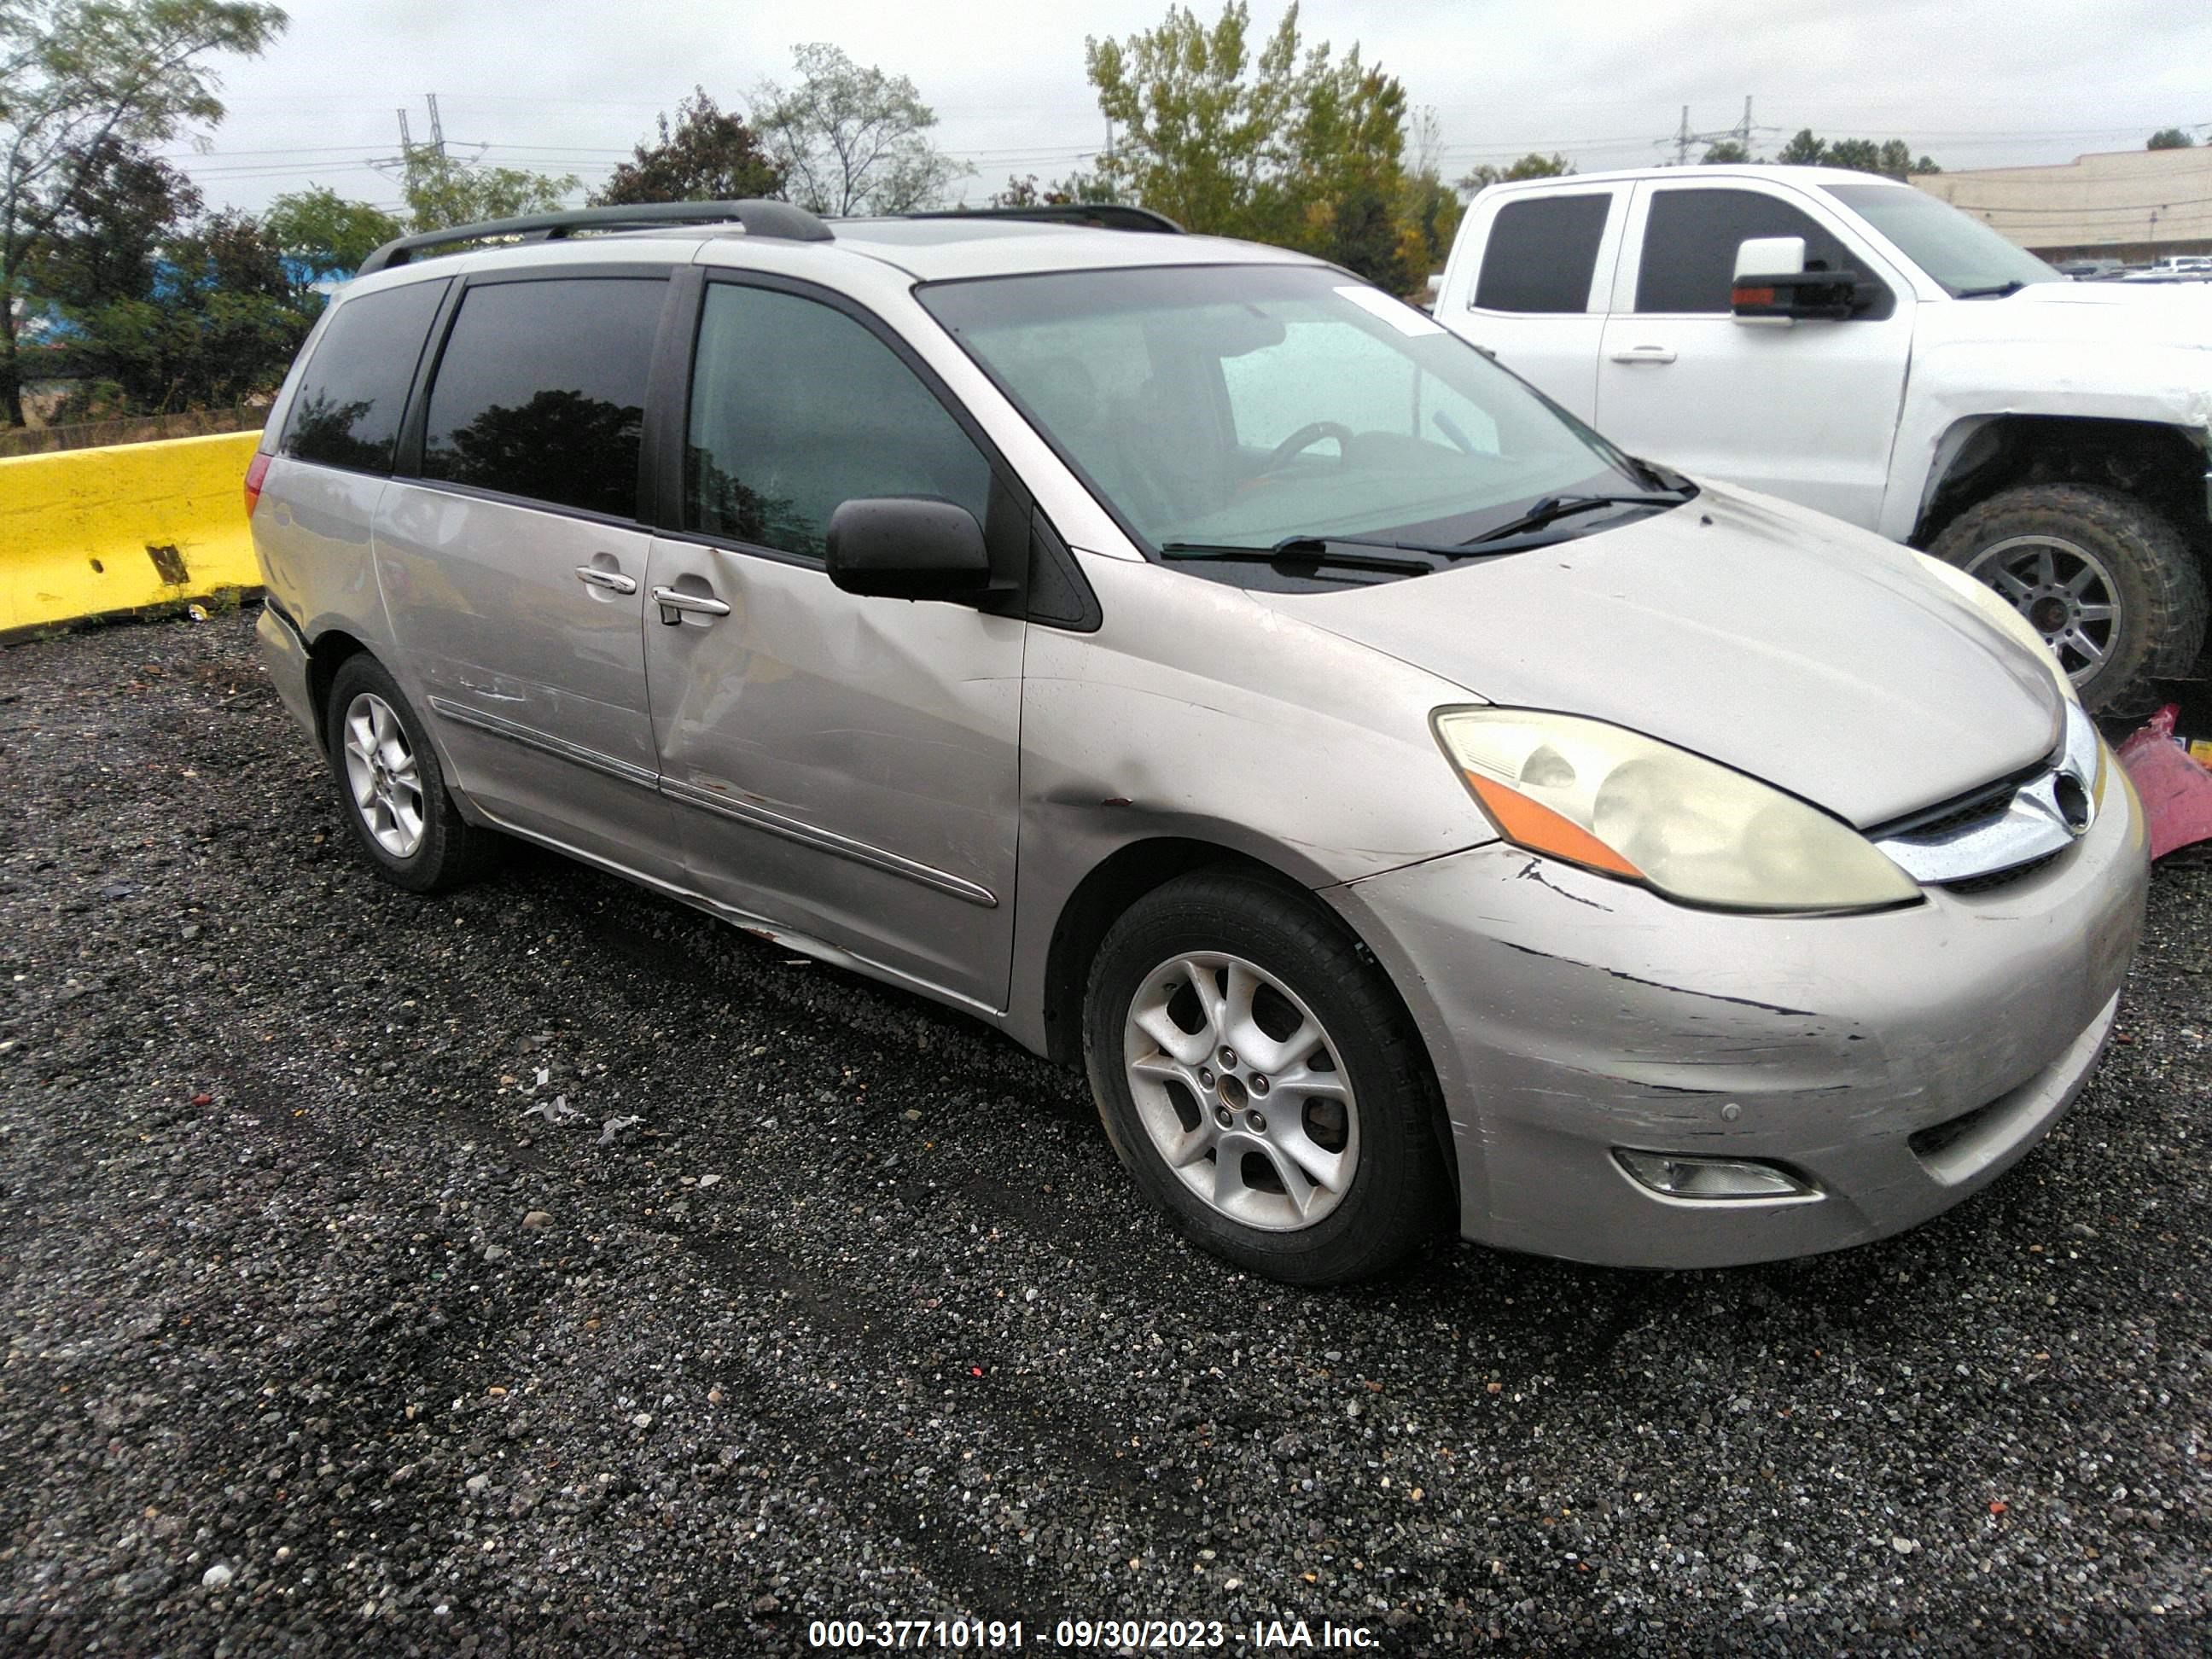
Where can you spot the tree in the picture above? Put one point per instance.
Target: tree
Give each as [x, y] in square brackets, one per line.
[1893, 157]
[2172, 138]
[442, 192]
[1077, 188]
[1430, 210]
[327, 235]
[1531, 165]
[214, 319]
[105, 244]
[76, 74]
[1278, 146]
[1727, 153]
[852, 140]
[706, 156]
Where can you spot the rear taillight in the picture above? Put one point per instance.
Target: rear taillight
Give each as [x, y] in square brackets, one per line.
[255, 472]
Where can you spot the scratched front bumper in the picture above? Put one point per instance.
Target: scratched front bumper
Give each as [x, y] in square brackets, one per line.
[1569, 1015]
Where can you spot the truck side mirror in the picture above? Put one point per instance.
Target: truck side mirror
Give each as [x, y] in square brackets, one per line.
[1771, 281]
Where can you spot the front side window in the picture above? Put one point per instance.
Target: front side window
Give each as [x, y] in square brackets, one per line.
[1690, 239]
[797, 408]
[541, 390]
[1242, 404]
[346, 412]
[1542, 253]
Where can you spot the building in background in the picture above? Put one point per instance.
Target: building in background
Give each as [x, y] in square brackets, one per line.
[2135, 205]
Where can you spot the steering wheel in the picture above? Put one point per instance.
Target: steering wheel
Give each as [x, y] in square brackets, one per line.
[1304, 439]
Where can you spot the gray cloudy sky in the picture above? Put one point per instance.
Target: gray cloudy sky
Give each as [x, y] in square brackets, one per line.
[569, 88]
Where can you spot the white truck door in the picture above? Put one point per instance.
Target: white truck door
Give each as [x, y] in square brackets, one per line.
[1537, 296]
[1806, 409]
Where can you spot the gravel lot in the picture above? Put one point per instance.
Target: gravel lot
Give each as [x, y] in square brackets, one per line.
[326, 1332]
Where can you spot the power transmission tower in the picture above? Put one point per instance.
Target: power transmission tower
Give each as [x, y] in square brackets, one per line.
[1684, 140]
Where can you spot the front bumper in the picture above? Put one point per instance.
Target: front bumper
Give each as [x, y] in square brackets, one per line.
[1569, 1015]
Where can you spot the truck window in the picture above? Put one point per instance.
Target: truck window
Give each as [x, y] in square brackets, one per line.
[1690, 239]
[1542, 253]
[347, 410]
[541, 390]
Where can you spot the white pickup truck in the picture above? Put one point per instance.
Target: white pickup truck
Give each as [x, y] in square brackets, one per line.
[1854, 344]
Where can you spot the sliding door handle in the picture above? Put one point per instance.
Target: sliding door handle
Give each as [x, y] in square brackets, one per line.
[674, 604]
[613, 580]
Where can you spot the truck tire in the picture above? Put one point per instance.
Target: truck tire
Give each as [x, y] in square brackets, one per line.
[2112, 585]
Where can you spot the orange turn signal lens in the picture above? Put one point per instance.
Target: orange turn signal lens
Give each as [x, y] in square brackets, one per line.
[1528, 824]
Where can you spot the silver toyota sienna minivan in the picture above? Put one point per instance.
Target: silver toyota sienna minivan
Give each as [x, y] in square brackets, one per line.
[1203, 667]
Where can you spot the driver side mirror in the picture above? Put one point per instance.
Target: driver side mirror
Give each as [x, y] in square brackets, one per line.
[1771, 283]
[907, 547]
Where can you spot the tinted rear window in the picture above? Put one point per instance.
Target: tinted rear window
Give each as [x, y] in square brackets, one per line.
[346, 413]
[1690, 239]
[541, 390]
[1542, 254]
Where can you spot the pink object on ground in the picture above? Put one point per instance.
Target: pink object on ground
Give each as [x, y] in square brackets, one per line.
[2176, 793]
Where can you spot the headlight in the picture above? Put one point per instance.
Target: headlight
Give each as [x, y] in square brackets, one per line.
[1992, 605]
[1630, 807]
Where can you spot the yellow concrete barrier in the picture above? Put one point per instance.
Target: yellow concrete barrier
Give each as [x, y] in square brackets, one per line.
[86, 531]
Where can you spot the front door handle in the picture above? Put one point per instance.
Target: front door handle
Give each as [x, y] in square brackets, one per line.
[674, 603]
[1645, 354]
[613, 580]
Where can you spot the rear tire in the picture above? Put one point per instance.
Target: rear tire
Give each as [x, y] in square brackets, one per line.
[391, 790]
[2062, 552]
[1312, 1188]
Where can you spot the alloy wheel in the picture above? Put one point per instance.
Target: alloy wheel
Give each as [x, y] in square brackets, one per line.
[2063, 590]
[1238, 1087]
[381, 770]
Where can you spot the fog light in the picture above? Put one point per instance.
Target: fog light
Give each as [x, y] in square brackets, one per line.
[1710, 1178]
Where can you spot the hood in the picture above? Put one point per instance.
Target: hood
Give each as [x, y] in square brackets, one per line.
[1784, 644]
[2176, 314]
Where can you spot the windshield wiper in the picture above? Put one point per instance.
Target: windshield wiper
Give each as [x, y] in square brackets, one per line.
[1995, 291]
[1554, 508]
[1311, 549]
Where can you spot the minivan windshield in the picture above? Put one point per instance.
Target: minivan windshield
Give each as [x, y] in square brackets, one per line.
[1970, 259]
[1244, 405]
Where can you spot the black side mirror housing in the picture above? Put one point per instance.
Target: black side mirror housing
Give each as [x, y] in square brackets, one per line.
[908, 547]
[1832, 296]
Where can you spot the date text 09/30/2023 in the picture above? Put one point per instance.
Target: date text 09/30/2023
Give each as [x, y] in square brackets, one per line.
[1113, 1635]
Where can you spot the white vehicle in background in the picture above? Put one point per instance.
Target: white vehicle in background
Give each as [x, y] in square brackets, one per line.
[1854, 344]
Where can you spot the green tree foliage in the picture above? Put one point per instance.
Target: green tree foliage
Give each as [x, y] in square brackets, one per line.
[106, 246]
[705, 156]
[1531, 165]
[1026, 191]
[1297, 149]
[2172, 138]
[324, 231]
[78, 75]
[850, 139]
[1727, 153]
[208, 318]
[1893, 157]
[442, 192]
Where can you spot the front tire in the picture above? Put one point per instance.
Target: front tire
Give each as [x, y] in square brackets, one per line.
[390, 790]
[1259, 1080]
[2114, 588]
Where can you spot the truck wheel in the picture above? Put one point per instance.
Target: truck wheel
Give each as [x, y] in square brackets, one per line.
[1258, 1077]
[2113, 588]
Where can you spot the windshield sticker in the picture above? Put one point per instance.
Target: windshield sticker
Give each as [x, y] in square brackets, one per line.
[1400, 315]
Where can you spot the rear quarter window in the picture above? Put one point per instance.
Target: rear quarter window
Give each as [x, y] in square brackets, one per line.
[354, 389]
[1542, 253]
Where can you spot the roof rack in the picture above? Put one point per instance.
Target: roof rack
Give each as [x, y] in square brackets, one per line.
[780, 220]
[1107, 216]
